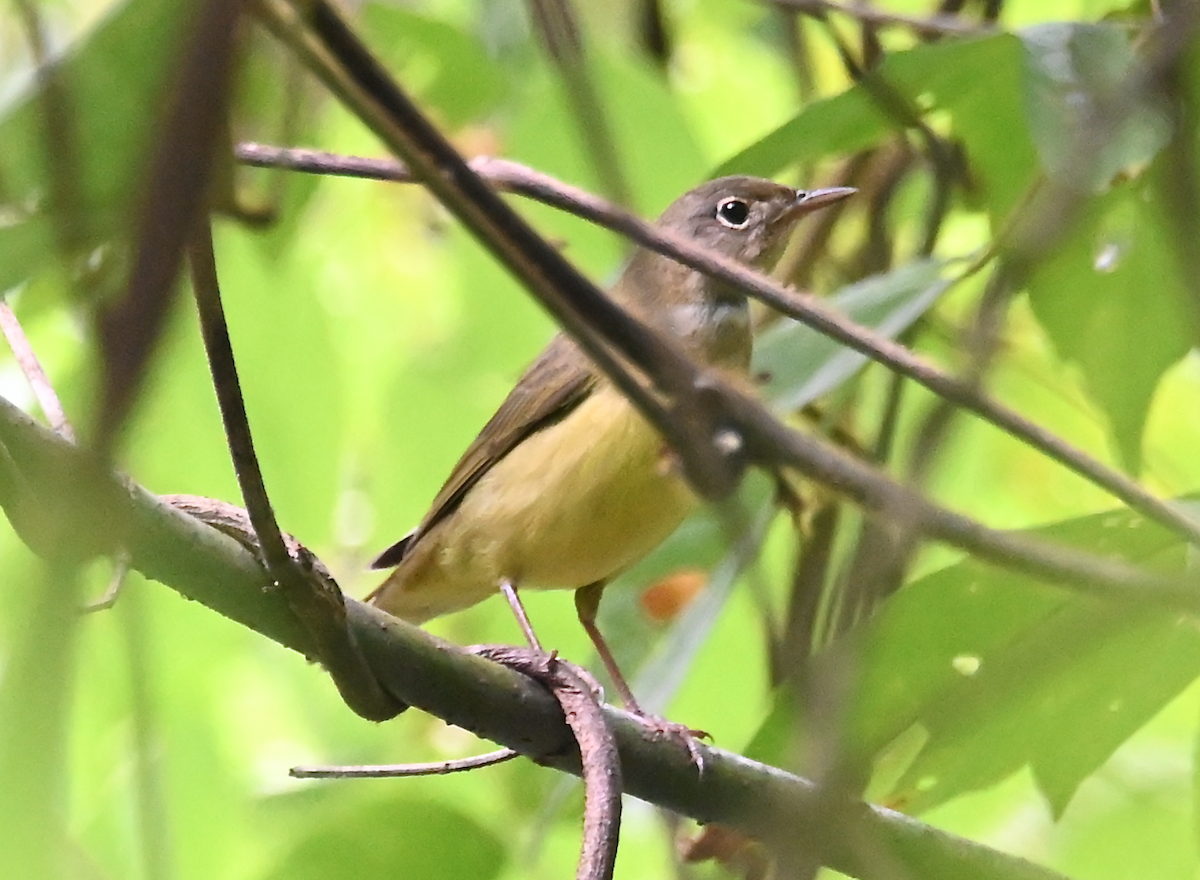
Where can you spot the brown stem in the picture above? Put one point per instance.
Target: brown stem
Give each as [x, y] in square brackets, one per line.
[318, 603]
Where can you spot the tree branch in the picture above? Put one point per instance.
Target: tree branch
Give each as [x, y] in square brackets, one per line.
[802, 307]
[44, 473]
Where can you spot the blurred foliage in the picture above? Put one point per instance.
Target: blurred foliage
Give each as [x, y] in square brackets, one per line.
[374, 338]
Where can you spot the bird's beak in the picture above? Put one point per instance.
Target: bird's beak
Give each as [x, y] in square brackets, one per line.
[810, 200]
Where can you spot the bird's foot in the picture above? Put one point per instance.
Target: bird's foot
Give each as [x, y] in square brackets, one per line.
[688, 737]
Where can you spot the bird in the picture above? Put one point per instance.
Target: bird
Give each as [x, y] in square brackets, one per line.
[568, 484]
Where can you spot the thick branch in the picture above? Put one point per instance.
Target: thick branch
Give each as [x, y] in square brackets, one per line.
[470, 692]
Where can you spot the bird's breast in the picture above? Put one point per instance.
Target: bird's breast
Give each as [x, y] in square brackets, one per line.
[576, 502]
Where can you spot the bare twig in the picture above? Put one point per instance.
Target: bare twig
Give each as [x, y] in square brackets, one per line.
[389, 771]
[801, 306]
[31, 367]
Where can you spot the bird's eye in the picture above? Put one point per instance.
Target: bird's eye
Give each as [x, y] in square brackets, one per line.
[733, 212]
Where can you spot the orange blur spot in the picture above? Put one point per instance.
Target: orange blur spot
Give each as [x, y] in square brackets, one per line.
[663, 601]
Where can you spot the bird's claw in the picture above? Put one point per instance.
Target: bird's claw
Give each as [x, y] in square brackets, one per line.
[689, 737]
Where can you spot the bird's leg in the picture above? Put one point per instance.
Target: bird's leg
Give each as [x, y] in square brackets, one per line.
[587, 604]
[509, 589]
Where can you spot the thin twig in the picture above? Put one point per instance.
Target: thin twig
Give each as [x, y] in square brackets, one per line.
[770, 443]
[388, 771]
[31, 367]
[802, 307]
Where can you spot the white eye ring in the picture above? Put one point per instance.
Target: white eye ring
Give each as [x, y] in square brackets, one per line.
[733, 212]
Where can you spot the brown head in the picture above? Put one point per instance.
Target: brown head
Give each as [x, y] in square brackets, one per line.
[745, 218]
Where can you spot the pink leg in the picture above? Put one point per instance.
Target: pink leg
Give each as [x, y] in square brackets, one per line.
[514, 602]
[587, 603]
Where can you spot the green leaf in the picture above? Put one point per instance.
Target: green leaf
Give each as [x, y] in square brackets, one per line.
[1000, 671]
[842, 124]
[983, 98]
[1074, 76]
[1111, 299]
[948, 73]
[976, 81]
[803, 364]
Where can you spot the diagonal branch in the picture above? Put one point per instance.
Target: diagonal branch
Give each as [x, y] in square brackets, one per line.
[802, 307]
[615, 341]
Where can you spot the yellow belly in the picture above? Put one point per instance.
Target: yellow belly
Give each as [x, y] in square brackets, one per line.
[573, 504]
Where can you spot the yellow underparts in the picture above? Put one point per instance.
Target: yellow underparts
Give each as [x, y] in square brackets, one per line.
[572, 504]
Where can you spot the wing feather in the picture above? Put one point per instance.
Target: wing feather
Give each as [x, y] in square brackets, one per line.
[553, 385]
